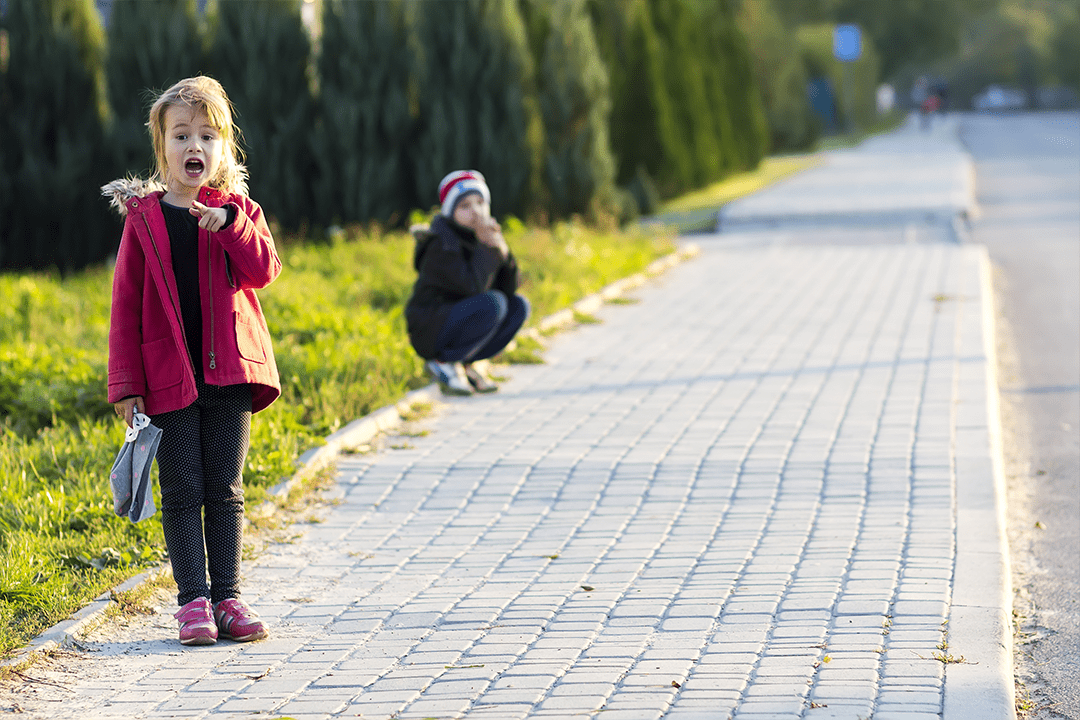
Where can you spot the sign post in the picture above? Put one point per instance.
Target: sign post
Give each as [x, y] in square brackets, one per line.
[847, 48]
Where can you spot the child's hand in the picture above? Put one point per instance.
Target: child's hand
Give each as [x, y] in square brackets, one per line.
[212, 219]
[490, 233]
[127, 408]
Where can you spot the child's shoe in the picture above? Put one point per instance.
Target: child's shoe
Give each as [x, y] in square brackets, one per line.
[197, 623]
[450, 376]
[479, 382]
[236, 621]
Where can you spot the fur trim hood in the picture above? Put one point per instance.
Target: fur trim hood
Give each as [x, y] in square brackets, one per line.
[122, 190]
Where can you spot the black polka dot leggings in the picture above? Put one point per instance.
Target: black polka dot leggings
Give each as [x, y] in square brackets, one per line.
[200, 469]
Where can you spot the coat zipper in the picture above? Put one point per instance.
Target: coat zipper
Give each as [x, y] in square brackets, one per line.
[210, 282]
[164, 277]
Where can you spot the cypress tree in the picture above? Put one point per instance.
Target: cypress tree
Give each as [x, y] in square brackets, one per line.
[738, 113]
[152, 45]
[645, 136]
[686, 68]
[780, 73]
[446, 34]
[511, 119]
[579, 168]
[363, 109]
[475, 100]
[52, 131]
[261, 56]
[723, 98]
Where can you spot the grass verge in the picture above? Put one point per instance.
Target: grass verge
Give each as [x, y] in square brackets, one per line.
[696, 211]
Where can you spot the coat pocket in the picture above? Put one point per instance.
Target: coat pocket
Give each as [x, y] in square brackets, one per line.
[249, 339]
[160, 363]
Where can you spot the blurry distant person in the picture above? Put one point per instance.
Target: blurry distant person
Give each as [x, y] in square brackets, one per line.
[925, 98]
[919, 92]
[886, 99]
[941, 90]
[929, 107]
[464, 306]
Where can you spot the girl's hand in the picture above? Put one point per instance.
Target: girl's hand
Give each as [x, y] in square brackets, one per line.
[127, 407]
[212, 219]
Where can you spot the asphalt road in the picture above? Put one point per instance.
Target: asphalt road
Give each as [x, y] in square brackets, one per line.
[1028, 184]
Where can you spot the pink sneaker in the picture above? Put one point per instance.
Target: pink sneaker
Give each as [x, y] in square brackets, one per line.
[236, 621]
[197, 623]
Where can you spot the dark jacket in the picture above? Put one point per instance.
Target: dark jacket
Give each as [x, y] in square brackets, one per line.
[148, 353]
[452, 265]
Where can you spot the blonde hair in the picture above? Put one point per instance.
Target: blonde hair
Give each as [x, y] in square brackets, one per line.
[206, 94]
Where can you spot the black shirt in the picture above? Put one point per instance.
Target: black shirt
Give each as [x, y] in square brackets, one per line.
[183, 230]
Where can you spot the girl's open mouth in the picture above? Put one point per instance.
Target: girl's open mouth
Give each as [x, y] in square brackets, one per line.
[194, 167]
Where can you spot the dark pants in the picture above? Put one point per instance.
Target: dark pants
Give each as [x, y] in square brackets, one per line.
[480, 326]
[200, 469]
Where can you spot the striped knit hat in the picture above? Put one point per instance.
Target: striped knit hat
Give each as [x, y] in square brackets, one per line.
[457, 185]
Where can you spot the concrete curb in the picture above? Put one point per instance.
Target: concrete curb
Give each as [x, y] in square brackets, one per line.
[357, 432]
[980, 687]
[65, 633]
[972, 211]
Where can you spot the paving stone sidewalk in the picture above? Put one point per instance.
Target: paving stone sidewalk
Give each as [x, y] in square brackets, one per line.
[764, 490]
[911, 173]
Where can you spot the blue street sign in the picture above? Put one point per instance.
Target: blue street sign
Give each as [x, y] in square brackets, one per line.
[847, 43]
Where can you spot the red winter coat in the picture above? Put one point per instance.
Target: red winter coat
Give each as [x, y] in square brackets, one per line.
[147, 351]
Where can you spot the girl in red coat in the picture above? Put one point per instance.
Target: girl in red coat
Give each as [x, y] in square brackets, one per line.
[188, 344]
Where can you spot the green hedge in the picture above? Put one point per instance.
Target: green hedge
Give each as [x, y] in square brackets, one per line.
[575, 105]
[780, 74]
[54, 144]
[557, 104]
[685, 107]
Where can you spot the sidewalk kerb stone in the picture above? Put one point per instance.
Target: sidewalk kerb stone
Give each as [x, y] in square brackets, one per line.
[979, 630]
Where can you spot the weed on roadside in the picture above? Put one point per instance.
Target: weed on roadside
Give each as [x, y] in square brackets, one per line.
[586, 318]
[417, 411]
[526, 351]
[138, 600]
